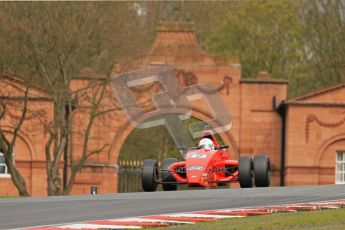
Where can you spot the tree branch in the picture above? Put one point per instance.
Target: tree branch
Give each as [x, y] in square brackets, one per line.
[22, 118]
[96, 151]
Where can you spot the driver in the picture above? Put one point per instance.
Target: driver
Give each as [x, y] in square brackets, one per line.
[206, 143]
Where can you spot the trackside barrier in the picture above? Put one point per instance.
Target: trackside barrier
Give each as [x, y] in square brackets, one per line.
[129, 176]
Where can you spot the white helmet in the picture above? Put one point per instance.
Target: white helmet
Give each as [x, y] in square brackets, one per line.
[206, 143]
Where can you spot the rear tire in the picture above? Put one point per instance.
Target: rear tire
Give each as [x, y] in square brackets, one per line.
[166, 176]
[245, 172]
[262, 171]
[149, 175]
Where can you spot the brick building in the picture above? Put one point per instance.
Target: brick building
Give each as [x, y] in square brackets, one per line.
[315, 137]
[302, 136]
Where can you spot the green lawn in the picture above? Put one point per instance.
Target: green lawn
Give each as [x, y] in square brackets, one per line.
[325, 219]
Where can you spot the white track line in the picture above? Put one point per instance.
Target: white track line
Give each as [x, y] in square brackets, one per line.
[195, 215]
[96, 226]
[138, 219]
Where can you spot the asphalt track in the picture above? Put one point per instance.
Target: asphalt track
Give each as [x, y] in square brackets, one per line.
[26, 212]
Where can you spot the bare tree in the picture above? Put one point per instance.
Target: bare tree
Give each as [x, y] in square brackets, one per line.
[20, 116]
[51, 43]
[7, 143]
[94, 105]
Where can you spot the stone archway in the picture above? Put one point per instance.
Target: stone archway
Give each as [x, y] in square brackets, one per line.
[132, 146]
[326, 158]
[24, 142]
[126, 129]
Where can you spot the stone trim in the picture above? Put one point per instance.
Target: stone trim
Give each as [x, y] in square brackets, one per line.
[5, 176]
[255, 81]
[311, 118]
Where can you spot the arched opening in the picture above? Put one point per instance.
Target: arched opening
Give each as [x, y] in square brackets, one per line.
[127, 129]
[149, 143]
[154, 143]
[331, 161]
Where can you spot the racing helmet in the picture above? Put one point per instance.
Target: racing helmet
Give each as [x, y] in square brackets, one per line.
[206, 143]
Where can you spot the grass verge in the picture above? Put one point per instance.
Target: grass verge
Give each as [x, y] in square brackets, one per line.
[324, 219]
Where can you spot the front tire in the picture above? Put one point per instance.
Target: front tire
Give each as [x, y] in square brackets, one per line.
[245, 173]
[262, 171]
[166, 176]
[149, 175]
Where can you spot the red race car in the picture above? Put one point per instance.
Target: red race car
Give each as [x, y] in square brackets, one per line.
[207, 165]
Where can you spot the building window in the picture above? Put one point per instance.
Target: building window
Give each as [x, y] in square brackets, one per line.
[340, 168]
[3, 166]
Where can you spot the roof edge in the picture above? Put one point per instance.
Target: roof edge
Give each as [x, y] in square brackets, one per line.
[175, 26]
[316, 92]
[89, 78]
[19, 80]
[321, 104]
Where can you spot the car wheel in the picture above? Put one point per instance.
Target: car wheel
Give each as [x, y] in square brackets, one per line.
[149, 175]
[245, 172]
[166, 176]
[262, 171]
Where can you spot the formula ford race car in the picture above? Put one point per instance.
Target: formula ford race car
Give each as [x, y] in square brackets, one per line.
[207, 165]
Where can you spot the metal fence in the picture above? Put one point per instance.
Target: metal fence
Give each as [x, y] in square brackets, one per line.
[129, 176]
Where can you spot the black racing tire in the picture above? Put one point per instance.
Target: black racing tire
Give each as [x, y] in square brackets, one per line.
[245, 172]
[166, 176]
[149, 175]
[262, 171]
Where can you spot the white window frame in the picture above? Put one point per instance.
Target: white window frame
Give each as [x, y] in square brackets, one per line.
[338, 171]
[6, 174]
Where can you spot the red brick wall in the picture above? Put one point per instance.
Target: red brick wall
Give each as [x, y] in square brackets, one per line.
[313, 135]
[261, 126]
[256, 125]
